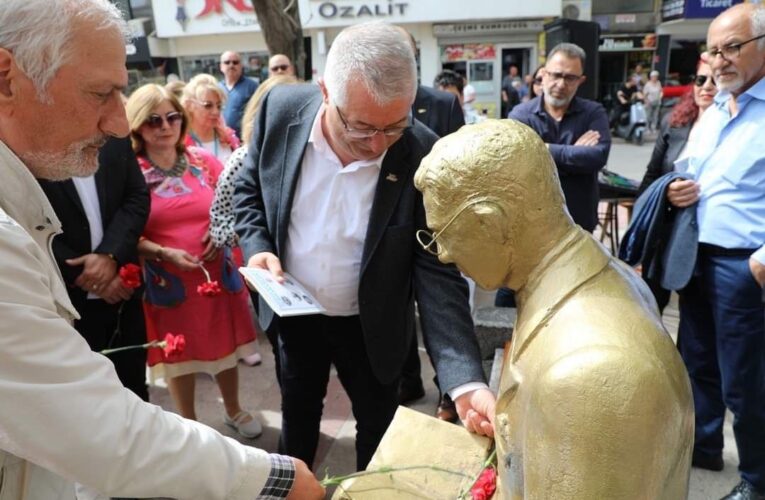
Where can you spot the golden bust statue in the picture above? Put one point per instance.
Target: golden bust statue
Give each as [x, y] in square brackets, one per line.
[594, 400]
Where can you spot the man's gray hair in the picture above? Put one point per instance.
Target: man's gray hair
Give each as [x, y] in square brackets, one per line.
[570, 50]
[378, 55]
[39, 33]
[758, 25]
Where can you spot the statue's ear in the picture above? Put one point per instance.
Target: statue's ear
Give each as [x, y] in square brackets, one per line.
[494, 220]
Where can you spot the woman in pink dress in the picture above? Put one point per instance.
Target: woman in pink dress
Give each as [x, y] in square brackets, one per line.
[178, 256]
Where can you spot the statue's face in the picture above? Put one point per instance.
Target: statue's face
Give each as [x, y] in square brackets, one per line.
[468, 239]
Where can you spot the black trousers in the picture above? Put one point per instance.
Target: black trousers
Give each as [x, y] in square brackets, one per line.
[99, 322]
[308, 346]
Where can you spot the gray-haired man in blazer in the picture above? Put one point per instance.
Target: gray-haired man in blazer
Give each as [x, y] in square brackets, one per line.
[328, 196]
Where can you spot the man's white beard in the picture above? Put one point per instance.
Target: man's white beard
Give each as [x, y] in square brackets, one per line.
[78, 160]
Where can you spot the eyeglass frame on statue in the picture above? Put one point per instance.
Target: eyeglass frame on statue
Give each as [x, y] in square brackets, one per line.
[421, 233]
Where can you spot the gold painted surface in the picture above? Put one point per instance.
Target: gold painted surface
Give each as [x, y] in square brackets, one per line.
[594, 401]
[413, 440]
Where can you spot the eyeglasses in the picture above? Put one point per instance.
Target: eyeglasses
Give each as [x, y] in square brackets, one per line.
[429, 241]
[156, 121]
[232, 61]
[209, 105]
[366, 133]
[731, 51]
[280, 67]
[567, 78]
[701, 80]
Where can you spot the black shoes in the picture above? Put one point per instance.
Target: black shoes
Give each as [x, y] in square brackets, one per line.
[744, 491]
[408, 393]
[708, 462]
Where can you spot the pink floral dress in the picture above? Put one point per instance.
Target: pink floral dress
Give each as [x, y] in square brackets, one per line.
[219, 330]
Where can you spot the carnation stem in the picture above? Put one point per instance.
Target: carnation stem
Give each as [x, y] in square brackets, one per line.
[154, 343]
[336, 480]
[207, 274]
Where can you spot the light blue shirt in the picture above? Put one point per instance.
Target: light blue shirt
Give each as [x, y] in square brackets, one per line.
[728, 162]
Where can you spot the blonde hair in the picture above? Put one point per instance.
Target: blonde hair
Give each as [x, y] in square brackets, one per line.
[176, 88]
[253, 105]
[193, 92]
[142, 104]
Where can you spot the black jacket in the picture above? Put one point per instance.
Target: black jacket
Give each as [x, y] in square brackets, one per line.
[669, 145]
[124, 202]
[439, 111]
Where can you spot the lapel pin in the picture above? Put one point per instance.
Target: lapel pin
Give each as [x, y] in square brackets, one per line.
[391, 178]
[421, 110]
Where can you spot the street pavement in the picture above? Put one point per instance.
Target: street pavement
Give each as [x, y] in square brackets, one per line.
[336, 456]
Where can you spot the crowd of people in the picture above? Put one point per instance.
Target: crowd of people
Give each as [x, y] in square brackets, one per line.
[194, 179]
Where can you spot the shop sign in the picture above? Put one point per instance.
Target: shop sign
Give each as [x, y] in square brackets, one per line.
[628, 43]
[694, 9]
[492, 27]
[467, 52]
[331, 10]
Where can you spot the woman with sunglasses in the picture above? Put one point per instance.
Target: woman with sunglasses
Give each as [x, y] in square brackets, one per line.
[204, 100]
[180, 261]
[676, 140]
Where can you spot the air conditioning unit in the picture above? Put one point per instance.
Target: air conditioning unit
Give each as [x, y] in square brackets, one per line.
[580, 10]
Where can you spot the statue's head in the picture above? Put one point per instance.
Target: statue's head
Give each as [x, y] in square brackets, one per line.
[493, 201]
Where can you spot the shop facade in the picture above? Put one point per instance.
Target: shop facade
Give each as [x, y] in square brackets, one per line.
[196, 32]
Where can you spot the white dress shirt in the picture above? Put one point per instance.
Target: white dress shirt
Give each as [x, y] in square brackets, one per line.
[328, 223]
[86, 190]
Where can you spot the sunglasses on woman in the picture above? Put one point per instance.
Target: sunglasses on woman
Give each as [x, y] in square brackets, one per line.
[701, 80]
[209, 105]
[156, 121]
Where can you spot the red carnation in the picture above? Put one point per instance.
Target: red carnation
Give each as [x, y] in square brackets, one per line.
[173, 344]
[209, 289]
[130, 275]
[484, 487]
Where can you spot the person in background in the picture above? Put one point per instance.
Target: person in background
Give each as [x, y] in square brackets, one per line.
[536, 88]
[509, 93]
[677, 138]
[280, 64]
[222, 210]
[256, 70]
[637, 77]
[63, 407]
[470, 113]
[176, 88]
[237, 87]
[653, 93]
[179, 258]
[721, 335]
[203, 99]
[452, 82]
[102, 216]
[627, 94]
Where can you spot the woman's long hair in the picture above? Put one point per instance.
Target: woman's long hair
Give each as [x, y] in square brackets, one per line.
[685, 111]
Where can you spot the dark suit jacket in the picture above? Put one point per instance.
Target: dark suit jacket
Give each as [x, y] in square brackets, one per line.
[124, 202]
[669, 145]
[394, 269]
[439, 111]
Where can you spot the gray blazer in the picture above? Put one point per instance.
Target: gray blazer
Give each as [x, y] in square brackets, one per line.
[395, 271]
[669, 144]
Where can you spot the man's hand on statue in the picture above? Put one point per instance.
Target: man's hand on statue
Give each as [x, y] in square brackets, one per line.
[305, 485]
[115, 291]
[476, 411]
[98, 271]
[589, 138]
[758, 271]
[683, 192]
[269, 262]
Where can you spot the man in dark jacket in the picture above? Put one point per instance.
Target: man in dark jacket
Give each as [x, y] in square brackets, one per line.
[102, 217]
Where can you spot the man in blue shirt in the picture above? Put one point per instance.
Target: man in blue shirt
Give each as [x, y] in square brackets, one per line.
[575, 130]
[722, 335]
[238, 87]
